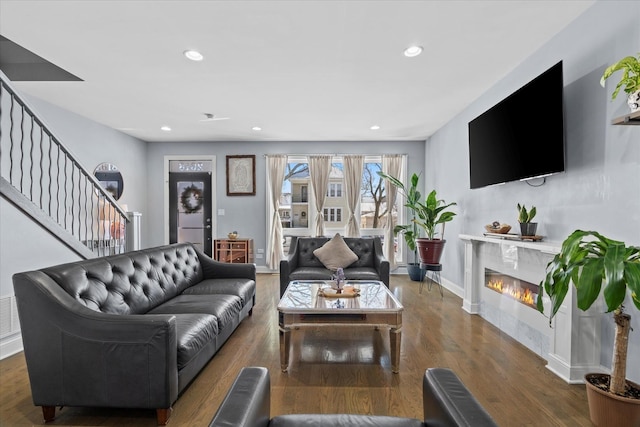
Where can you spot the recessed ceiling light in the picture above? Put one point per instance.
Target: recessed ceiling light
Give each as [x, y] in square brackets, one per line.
[256, 128]
[193, 55]
[166, 128]
[412, 51]
[374, 127]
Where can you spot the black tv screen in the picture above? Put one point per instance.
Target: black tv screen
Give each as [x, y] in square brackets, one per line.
[522, 136]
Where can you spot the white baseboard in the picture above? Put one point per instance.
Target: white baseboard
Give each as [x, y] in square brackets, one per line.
[10, 346]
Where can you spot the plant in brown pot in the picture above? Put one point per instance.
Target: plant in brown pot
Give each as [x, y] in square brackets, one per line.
[596, 264]
[428, 216]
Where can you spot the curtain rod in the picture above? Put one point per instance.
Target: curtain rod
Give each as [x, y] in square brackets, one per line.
[330, 154]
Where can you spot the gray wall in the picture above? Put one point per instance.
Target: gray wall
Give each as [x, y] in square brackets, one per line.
[247, 214]
[600, 189]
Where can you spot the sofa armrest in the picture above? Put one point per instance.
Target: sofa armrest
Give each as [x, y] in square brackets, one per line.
[80, 357]
[381, 263]
[447, 402]
[289, 264]
[215, 269]
[248, 401]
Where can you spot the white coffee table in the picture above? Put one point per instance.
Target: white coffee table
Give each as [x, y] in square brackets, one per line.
[304, 305]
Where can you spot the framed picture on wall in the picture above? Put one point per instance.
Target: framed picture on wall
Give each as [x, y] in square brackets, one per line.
[241, 175]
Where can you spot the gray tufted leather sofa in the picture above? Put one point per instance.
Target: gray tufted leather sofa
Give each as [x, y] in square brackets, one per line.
[130, 330]
[302, 264]
[446, 403]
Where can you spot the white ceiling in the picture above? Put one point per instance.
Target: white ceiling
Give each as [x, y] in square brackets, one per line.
[301, 70]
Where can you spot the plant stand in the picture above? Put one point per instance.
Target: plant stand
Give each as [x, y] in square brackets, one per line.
[432, 275]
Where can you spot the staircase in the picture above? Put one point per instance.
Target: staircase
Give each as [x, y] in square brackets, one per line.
[41, 178]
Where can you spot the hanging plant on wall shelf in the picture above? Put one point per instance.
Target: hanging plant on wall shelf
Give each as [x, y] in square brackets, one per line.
[191, 199]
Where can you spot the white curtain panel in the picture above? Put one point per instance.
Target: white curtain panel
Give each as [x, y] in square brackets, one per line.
[353, 181]
[392, 166]
[275, 176]
[319, 169]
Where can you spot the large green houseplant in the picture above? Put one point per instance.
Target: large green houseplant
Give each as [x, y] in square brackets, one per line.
[410, 231]
[630, 67]
[427, 216]
[598, 265]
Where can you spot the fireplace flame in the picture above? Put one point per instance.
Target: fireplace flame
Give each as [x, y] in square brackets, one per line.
[525, 296]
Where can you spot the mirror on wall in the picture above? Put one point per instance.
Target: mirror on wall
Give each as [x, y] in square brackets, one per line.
[110, 178]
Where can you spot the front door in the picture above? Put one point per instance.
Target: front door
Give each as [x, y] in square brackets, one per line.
[190, 207]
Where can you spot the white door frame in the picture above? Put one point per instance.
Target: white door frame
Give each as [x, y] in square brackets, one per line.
[165, 214]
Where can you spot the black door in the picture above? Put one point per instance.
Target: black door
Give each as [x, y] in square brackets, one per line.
[190, 209]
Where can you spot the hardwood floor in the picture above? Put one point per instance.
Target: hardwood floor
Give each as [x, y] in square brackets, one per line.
[348, 371]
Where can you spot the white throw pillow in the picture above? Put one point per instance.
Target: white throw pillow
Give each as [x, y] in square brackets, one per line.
[335, 254]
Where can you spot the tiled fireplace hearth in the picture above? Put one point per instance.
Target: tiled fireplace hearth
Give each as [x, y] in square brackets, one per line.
[501, 285]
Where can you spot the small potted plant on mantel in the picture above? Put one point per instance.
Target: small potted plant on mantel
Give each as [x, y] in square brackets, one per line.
[527, 228]
[427, 216]
[599, 265]
[630, 67]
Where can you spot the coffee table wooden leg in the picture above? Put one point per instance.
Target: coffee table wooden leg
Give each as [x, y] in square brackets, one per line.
[394, 341]
[285, 342]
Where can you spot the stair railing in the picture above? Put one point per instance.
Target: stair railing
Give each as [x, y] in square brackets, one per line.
[44, 171]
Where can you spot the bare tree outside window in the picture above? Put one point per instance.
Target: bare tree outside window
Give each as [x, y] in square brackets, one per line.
[373, 189]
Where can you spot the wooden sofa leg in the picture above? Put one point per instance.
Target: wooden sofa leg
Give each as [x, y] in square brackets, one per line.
[48, 413]
[163, 415]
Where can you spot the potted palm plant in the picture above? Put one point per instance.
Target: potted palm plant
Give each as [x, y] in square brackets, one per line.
[427, 216]
[630, 67]
[596, 264]
[410, 231]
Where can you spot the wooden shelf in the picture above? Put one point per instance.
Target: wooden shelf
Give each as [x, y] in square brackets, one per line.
[233, 251]
[627, 119]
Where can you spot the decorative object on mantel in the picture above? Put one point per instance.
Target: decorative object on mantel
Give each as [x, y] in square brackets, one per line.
[511, 236]
[597, 264]
[630, 66]
[233, 235]
[527, 228]
[497, 227]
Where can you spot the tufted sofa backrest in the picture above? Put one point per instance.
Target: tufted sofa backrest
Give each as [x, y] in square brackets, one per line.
[361, 246]
[130, 283]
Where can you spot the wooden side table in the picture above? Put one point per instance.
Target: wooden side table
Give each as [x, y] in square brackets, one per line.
[233, 250]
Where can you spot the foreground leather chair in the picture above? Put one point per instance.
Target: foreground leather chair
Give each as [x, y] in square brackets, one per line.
[447, 402]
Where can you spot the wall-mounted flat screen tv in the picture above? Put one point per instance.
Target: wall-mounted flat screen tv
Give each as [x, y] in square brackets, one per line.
[521, 137]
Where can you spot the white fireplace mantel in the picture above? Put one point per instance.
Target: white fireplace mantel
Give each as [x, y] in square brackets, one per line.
[572, 346]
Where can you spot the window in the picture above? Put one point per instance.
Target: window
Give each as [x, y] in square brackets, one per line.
[333, 214]
[298, 207]
[334, 190]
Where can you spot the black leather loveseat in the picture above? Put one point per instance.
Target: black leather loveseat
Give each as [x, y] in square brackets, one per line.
[302, 264]
[446, 403]
[130, 330]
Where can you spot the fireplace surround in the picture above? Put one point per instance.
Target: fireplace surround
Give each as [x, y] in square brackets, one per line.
[571, 346]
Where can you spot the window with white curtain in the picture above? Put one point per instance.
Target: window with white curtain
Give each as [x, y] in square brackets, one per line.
[297, 206]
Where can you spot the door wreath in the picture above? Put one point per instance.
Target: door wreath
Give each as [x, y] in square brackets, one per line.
[191, 199]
